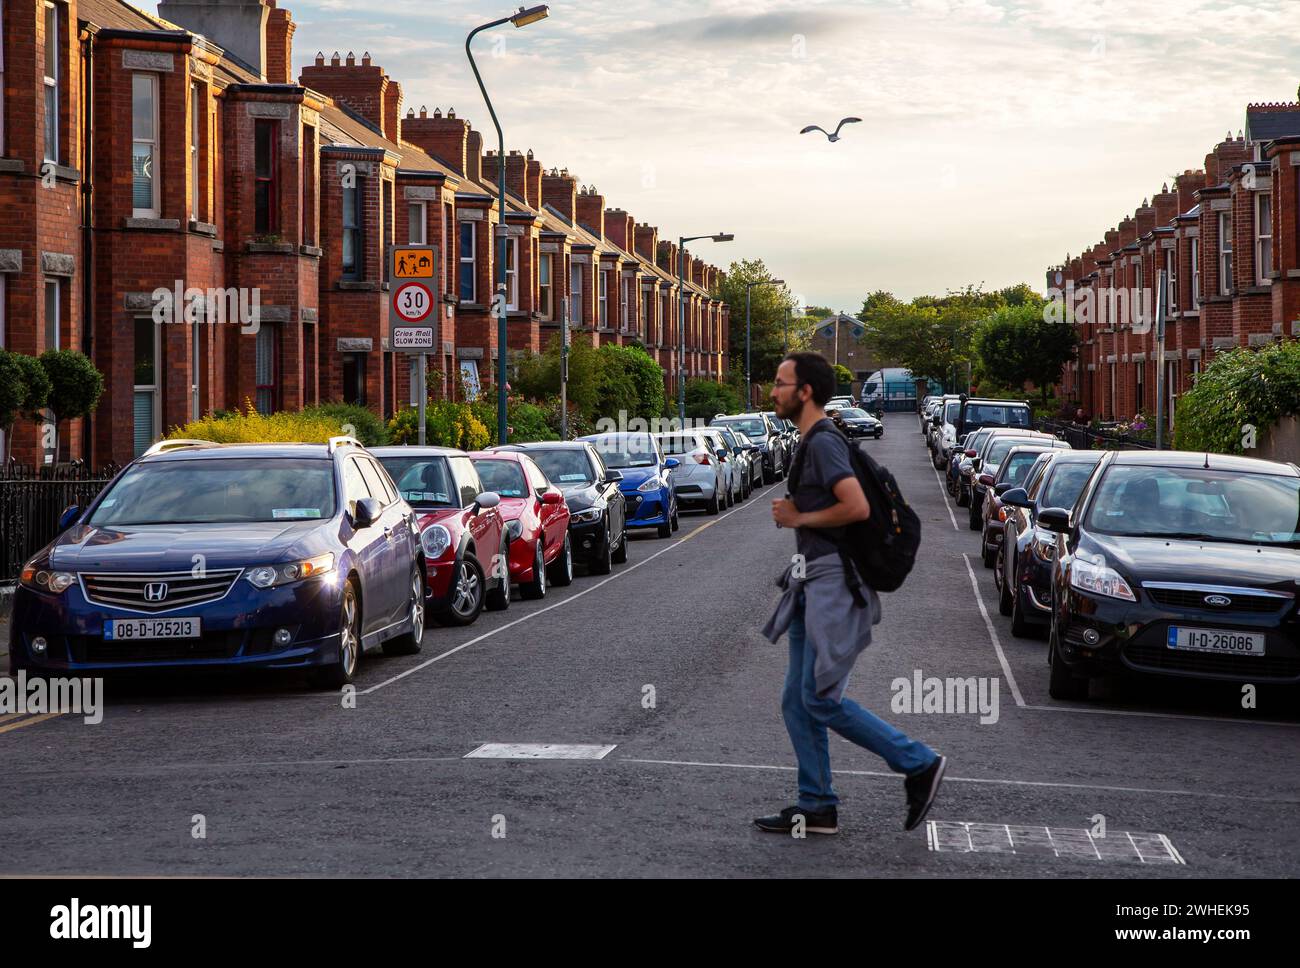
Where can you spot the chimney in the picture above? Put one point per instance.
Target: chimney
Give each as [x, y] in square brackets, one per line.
[1166, 205]
[647, 242]
[697, 272]
[1146, 218]
[445, 138]
[279, 45]
[559, 190]
[1127, 232]
[1112, 241]
[362, 87]
[668, 257]
[1185, 185]
[1219, 162]
[591, 211]
[393, 112]
[620, 228]
[517, 176]
[473, 156]
[534, 181]
[238, 26]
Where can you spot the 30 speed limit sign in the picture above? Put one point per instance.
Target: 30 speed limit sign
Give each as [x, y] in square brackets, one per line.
[412, 301]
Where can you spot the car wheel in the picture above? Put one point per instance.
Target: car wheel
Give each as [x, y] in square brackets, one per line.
[341, 673]
[769, 476]
[1061, 682]
[1003, 583]
[665, 530]
[619, 555]
[409, 643]
[498, 599]
[676, 523]
[466, 594]
[990, 554]
[603, 563]
[938, 462]
[712, 507]
[962, 499]
[536, 588]
[974, 518]
[1019, 627]
[561, 570]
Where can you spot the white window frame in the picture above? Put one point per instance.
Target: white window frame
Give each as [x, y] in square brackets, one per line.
[54, 326]
[51, 83]
[413, 221]
[625, 289]
[512, 273]
[1225, 254]
[1139, 386]
[471, 259]
[1171, 280]
[1263, 239]
[153, 389]
[196, 370]
[575, 294]
[194, 152]
[602, 299]
[546, 289]
[154, 179]
[1196, 270]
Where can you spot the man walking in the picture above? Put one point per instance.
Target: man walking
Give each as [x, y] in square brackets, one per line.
[826, 626]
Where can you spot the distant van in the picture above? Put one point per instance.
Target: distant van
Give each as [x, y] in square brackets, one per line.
[892, 388]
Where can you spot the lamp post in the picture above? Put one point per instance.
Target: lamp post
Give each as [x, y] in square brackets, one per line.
[681, 314]
[521, 18]
[749, 288]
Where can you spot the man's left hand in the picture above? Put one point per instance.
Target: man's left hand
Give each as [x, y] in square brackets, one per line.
[785, 514]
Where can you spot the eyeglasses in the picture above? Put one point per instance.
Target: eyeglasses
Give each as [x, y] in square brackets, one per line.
[782, 383]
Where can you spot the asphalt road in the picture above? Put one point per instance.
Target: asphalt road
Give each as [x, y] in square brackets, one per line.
[289, 782]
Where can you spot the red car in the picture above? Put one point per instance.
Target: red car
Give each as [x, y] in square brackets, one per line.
[462, 532]
[536, 516]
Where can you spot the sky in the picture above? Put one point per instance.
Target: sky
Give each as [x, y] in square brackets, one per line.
[998, 136]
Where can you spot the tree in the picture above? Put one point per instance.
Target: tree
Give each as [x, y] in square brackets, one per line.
[1016, 344]
[707, 398]
[843, 375]
[75, 386]
[646, 376]
[769, 306]
[24, 391]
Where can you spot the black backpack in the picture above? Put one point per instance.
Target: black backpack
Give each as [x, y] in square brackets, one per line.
[883, 547]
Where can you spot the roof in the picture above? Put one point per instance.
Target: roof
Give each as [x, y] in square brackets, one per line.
[264, 451]
[1265, 122]
[543, 445]
[1216, 462]
[412, 450]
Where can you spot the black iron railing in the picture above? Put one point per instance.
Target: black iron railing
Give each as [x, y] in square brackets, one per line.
[31, 502]
[1085, 437]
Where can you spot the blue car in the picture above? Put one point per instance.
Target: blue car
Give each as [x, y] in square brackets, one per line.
[646, 487]
[199, 556]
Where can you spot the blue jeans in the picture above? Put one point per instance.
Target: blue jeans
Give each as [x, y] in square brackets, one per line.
[808, 716]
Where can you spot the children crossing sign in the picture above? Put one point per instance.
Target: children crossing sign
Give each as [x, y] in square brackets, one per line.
[414, 261]
[413, 271]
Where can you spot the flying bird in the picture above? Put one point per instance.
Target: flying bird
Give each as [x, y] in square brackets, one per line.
[830, 137]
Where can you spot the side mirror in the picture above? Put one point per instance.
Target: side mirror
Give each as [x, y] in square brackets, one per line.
[69, 515]
[366, 513]
[986, 480]
[1000, 489]
[976, 462]
[671, 462]
[486, 501]
[552, 497]
[937, 420]
[721, 453]
[1015, 496]
[970, 453]
[613, 477]
[1055, 519]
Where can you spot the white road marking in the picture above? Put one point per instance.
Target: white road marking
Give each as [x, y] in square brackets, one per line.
[943, 493]
[948, 778]
[957, 836]
[560, 604]
[993, 635]
[539, 751]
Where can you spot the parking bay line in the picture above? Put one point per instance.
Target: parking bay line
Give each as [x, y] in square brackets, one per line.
[542, 611]
[30, 721]
[993, 635]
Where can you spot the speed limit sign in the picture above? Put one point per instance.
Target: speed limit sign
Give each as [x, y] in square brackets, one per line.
[412, 301]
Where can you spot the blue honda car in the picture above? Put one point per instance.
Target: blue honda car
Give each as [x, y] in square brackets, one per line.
[198, 555]
[645, 486]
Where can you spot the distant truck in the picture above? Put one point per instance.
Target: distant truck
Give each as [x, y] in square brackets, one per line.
[894, 388]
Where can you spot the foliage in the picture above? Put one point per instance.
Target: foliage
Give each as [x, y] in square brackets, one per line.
[75, 384]
[37, 381]
[1015, 345]
[770, 307]
[446, 424]
[366, 426]
[251, 427]
[646, 375]
[579, 425]
[843, 375]
[601, 381]
[24, 390]
[1239, 389]
[707, 398]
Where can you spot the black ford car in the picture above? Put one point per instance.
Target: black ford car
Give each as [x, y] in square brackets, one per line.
[1178, 564]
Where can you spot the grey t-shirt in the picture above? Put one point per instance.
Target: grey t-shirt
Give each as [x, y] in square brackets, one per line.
[826, 462]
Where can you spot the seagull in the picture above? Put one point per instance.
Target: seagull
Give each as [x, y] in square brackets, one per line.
[830, 137]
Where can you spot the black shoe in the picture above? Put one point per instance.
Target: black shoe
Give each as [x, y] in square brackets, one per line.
[823, 821]
[921, 790]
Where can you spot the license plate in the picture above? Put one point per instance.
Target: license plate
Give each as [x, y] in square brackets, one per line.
[129, 629]
[1216, 640]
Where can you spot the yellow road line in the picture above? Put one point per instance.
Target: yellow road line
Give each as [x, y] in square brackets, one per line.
[30, 721]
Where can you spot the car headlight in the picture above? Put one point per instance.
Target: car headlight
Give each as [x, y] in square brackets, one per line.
[586, 514]
[435, 540]
[651, 484]
[43, 580]
[267, 576]
[1097, 579]
[514, 529]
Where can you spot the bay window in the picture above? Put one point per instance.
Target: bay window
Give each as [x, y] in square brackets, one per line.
[468, 261]
[1225, 254]
[266, 171]
[53, 78]
[353, 257]
[544, 288]
[144, 145]
[1263, 238]
[415, 223]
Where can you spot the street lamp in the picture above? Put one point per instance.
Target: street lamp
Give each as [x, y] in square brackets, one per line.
[749, 287]
[681, 314]
[521, 18]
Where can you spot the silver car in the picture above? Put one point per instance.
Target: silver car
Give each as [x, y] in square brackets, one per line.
[698, 477]
[753, 457]
[734, 473]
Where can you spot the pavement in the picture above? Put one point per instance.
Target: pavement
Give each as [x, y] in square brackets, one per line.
[663, 661]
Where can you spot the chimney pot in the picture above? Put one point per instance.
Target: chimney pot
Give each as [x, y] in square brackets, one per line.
[410, 112]
[530, 154]
[352, 60]
[451, 112]
[365, 59]
[320, 59]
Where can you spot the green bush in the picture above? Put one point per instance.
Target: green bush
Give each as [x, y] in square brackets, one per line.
[1238, 388]
[75, 385]
[366, 426]
[705, 399]
[446, 424]
[251, 427]
[24, 391]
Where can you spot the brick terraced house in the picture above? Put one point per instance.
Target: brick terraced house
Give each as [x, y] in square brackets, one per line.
[1226, 235]
[177, 154]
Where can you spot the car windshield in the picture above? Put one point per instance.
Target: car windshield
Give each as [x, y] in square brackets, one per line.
[680, 444]
[852, 412]
[951, 411]
[1000, 445]
[1198, 504]
[1066, 484]
[976, 441]
[218, 491]
[423, 481]
[1017, 467]
[988, 413]
[503, 476]
[564, 466]
[626, 450]
[752, 428]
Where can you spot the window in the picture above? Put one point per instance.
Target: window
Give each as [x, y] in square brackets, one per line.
[1196, 271]
[544, 288]
[647, 312]
[52, 321]
[196, 369]
[1171, 281]
[354, 484]
[1225, 254]
[354, 378]
[266, 366]
[266, 165]
[1139, 369]
[52, 83]
[1111, 368]
[468, 266]
[604, 299]
[309, 350]
[386, 224]
[1194, 369]
[374, 481]
[144, 145]
[146, 414]
[575, 295]
[195, 187]
[624, 300]
[353, 260]
[512, 273]
[1263, 238]
[308, 185]
[415, 223]
[2, 127]
[467, 480]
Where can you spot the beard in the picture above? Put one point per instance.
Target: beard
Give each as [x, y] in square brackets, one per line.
[789, 411]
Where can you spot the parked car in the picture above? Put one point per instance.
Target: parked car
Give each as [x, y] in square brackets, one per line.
[699, 477]
[1011, 472]
[734, 476]
[645, 480]
[597, 508]
[742, 457]
[943, 436]
[979, 412]
[785, 434]
[996, 447]
[753, 455]
[1176, 564]
[960, 465]
[203, 556]
[461, 530]
[762, 432]
[841, 401]
[856, 423]
[1022, 570]
[536, 519]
